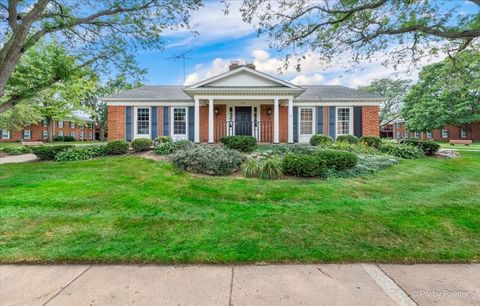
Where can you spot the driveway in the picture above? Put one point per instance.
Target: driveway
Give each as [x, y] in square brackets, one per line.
[350, 284]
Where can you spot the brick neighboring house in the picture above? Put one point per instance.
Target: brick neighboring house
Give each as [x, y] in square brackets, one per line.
[38, 132]
[242, 101]
[399, 131]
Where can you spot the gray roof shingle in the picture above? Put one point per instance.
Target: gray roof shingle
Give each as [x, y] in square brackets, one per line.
[176, 93]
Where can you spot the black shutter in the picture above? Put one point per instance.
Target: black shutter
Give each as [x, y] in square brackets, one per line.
[319, 119]
[295, 124]
[1, 133]
[128, 123]
[191, 123]
[357, 121]
[331, 122]
[166, 121]
[154, 122]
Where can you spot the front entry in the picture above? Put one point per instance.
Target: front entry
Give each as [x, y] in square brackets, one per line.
[243, 120]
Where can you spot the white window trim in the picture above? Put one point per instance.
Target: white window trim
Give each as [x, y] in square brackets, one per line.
[398, 135]
[135, 118]
[44, 134]
[73, 134]
[72, 125]
[463, 133]
[60, 133]
[429, 135]
[443, 136]
[60, 124]
[81, 136]
[6, 132]
[179, 136]
[90, 135]
[29, 134]
[304, 138]
[350, 121]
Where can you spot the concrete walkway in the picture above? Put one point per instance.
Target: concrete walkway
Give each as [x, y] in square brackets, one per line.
[18, 159]
[355, 284]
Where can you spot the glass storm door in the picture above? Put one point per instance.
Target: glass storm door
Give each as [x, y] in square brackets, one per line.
[306, 124]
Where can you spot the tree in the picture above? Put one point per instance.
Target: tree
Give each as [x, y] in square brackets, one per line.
[99, 109]
[446, 93]
[50, 102]
[393, 91]
[365, 29]
[107, 31]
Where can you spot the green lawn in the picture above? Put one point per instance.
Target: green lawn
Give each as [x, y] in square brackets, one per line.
[128, 209]
[474, 146]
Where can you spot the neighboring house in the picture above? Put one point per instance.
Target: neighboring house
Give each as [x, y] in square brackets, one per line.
[38, 132]
[242, 101]
[446, 133]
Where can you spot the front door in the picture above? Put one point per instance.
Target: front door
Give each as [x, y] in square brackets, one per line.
[243, 120]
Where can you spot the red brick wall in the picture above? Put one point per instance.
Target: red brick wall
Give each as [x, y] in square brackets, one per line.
[37, 129]
[204, 123]
[116, 122]
[453, 132]
[370, 121]
[283, 124]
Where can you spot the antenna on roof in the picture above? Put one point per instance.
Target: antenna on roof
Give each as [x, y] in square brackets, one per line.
[183, 57]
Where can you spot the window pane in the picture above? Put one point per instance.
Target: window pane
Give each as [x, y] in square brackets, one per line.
[306, 121]
[179, 121]
[343, 121]
[143, 121]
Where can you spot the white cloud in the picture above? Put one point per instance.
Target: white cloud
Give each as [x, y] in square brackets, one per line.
[303, 79]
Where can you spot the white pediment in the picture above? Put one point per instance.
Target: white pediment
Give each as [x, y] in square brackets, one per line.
[243, 77]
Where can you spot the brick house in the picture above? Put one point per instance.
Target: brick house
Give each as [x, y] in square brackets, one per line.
[39, 132]
[446, 133]
[242, 101]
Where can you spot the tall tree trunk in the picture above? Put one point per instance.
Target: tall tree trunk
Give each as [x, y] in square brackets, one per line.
[101, 132]
[50, 128]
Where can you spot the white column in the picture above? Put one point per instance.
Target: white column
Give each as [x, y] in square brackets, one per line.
[210, 120]
[290, 120]
[276, 120]
[197, 120]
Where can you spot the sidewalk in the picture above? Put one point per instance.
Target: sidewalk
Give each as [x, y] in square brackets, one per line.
[355, 284]
[18, 158]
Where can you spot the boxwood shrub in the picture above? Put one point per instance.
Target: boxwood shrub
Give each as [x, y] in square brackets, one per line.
[117, 147]
[82, 153]
[347, 138]
[17, 150]
[338, 160]
[371, 141]
[240, 143]
[162, 139]
[401, 150]
[166, 148]
[304, 165]
[59, 138]
[68, 138]
[429, 148]
[49, 152]
[214, 160]
[320, 139]
[141, 144]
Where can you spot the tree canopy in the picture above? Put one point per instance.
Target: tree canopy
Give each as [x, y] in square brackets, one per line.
[446, 93]
[102, 33]
[393, 91]
[398, 30]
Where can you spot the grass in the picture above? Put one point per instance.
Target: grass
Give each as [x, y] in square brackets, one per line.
[474, 146]
[56, 143]
[128, 209]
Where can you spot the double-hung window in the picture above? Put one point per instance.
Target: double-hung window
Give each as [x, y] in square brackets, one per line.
[81, 135]
[60, 133]
[405, 135]
[72, 125]
[397, 135]
[416, 135]
[90, 135]
[143, 121]
[5, 134]
[463, 133]
[344, 120]
[72, 134]
[179, 121]
[429, 134]
[60, 124]
[44, 134]
[444, 133]
[27, 134]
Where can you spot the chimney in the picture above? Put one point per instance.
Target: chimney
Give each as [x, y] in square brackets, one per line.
[233, 65]
[250, 65]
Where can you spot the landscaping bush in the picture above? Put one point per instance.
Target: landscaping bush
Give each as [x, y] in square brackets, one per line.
[162, 139]
[240, 143]
[337, 160]
[284, 149]
[171, 147]
[320, 139]
[117, 147]
[359, 148]
[264, 168]
[371, 141]
[428, 148]
[206, 159]
[17, 150]
[400, 150]
[82, 153]
[68, 138]
[59, 138]
[304, 165]
[366, 164]
[347, 138]
[49, 152]
[141, 144]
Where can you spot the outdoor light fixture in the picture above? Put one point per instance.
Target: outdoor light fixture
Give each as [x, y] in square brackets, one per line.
[216, 111]
[269, 111]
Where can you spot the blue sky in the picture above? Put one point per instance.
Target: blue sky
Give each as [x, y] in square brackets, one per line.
[224, 38]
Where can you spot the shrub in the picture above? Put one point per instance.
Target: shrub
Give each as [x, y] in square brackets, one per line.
[171, 147]
[347, 138]
[117, 147]
[320, 139]
[240, 143]
[283, 149]
[82, 153]
[264, 168]
[401, 150]
[141, 144]
[162, 139]
[371, 141]
[68, 138]
[49, 152]
[59, 138]
[359, 148]
[208, 159]
[367, 164]
[337, 160]
[17, 150]
[428, 148]
[304, 165]
[251, 168]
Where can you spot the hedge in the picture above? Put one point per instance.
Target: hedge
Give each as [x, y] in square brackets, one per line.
[320, 139]
[240, 143]
[141, 144]
[347, 138]
[117, 147]
[49, 152]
